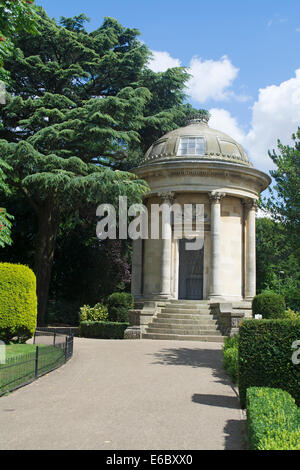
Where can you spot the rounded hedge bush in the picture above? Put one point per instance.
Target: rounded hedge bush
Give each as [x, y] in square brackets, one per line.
[269, 305]
[118, 305]
[18, 302]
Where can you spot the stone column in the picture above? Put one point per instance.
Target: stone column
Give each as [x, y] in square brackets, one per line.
[250, 288]
[166, 247]
[215, 233]
[137, 268]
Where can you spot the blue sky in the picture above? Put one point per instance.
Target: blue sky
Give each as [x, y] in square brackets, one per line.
[243, 56]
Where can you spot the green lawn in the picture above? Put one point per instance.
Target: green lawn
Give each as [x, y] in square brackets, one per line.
[21, 363]
[17, 349]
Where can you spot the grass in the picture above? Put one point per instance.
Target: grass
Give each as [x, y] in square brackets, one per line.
[20, 364]
[19, 349]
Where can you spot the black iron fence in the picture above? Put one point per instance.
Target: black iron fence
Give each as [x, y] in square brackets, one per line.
[49, 351]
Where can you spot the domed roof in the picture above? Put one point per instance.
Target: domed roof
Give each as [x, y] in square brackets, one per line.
[197, 141]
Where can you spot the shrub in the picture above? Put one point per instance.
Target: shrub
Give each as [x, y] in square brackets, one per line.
[291, 315]
[231, 342]
[96, 313]
[118, 305]
[269, 305]
[265, 356]
[230, 361]
[273, 420]
[102, 330]
[18, 303]
[230, 357]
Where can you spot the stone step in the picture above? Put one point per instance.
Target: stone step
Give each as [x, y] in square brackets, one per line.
[186, 326]
[185, 316]
[206, 338]
[203, 311]
[179, 331]
[188, 306]
[185, 321]
[184, 301]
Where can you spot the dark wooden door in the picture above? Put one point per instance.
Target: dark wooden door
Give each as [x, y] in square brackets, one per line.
[190, 272]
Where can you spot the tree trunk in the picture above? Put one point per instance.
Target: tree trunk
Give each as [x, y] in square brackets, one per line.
[44, 253]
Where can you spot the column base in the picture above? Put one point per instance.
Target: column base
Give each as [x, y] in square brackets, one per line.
[217, 298]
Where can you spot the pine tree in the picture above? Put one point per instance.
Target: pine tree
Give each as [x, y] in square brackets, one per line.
[81, 105]
[15, 16]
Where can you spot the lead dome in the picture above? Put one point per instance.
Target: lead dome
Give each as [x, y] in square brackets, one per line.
[198, 141]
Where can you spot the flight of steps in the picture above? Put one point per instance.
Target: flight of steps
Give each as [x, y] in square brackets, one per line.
[188, 320]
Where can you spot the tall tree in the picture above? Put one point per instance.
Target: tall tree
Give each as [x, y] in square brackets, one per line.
[78, 111]
[15, 16]
[284, 200]
[277, 253]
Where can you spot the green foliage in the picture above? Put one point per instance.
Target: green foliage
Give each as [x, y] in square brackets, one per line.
[284, 201]
[269, 305]
[265, 356]
[62, 312]
[5, 227]
[277, 251]
[118, 305]
[291, 315]
[102, 330]
[96, 313]
[273, 420]
[82, 110]
[230, 357]
[15, 16]
[18, 304]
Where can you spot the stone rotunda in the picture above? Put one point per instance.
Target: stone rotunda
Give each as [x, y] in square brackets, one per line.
[198, 165]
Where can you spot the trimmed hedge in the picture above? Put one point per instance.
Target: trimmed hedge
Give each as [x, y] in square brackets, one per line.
[118, 305]
[273, 420]
[269, 305]
[102, 329]
[18, 302]
[265, 356]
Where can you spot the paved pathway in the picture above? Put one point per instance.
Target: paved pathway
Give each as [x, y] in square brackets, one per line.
[120, 395]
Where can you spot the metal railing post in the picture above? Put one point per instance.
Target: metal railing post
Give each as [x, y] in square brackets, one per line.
[66, 349]
[54, 337]
[36, 362]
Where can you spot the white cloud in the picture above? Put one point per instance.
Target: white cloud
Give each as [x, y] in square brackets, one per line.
[162, 61]
[222, 120]
[275, 115]
[211, 79]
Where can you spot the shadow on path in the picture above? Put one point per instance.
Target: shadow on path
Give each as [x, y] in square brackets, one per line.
[224, 401]
[206, 358]
[234, 429]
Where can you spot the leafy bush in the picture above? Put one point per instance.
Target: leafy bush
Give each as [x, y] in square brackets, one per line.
[291, 315]
[231, 342]
[230, 357]
[269, 305]
[96, 313]
[118, 305]
[102, 330]
[265, 356]
[273, 420]
[230, 361]
[18, 302]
